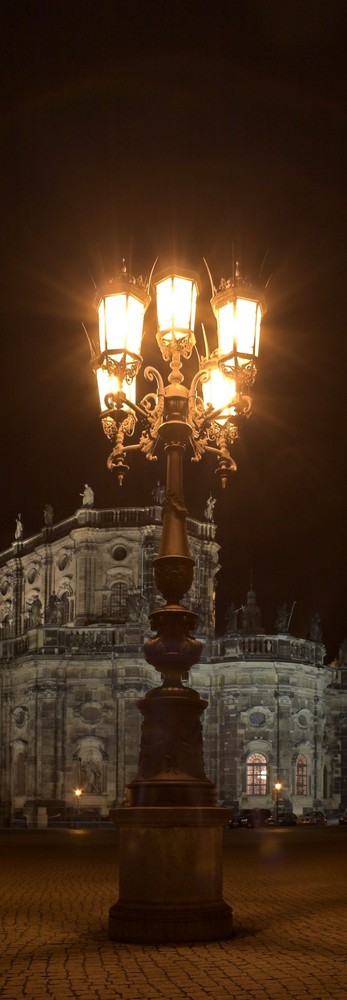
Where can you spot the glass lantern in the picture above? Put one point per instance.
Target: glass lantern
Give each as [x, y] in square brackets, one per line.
[121, 308]
[176, 296]
[239, 313]
[218, 392]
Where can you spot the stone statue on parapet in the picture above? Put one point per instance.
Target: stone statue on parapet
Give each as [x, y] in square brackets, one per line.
[35, 612]
[208, 512]
[87, 496]
[19, 528]
[282, 619]
[48, 515]
[134, 606]
[342, 658]
[53, 616]
[231, 619]
[316, 628]
[158, 494]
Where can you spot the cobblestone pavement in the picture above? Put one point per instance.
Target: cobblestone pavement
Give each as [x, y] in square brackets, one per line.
[287, 888]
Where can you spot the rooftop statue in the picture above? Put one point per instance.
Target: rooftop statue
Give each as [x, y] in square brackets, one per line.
[19, 528]
[158, 494]
[208, 512]
[48, 514]
[316, 628]
[231, 619]
[282, 619]
[87, 496]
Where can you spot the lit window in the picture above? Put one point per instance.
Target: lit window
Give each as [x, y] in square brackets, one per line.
[301, 775]
[256, 774]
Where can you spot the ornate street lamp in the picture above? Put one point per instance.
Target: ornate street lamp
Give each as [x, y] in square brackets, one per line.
[278, 789]
[77, 793]
[171, 829]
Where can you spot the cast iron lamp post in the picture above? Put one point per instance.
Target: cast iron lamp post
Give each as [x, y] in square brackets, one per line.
[77, 793]
[170, 886]
[278, 788]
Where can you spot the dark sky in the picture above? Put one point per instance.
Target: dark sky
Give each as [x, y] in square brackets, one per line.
[142, 128]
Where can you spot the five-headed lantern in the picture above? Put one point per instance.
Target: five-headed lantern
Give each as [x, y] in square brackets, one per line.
[225, 374]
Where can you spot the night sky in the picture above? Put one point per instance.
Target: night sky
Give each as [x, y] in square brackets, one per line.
[139, 129]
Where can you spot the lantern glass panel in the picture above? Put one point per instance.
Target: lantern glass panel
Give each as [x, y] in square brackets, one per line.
[109, 383]
[121, 323]
[219, 392]
[239, 327]
[176, 306]
[245, 326]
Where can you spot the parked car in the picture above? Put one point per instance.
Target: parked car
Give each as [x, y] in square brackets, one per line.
[287, 819]
[314, 819]
[250, 818]
[343, 819]
[253, 818]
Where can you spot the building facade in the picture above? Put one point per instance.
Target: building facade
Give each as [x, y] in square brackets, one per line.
[74, 603]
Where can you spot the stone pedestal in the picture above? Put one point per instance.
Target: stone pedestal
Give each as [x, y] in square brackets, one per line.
[170, 875]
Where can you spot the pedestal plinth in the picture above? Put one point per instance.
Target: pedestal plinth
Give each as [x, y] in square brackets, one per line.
[170, 875]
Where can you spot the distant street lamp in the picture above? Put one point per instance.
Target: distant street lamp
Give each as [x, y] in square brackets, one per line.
[278, 787]
[171, 830]
[77, 793]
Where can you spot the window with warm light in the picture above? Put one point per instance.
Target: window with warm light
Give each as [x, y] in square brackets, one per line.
[256, 774]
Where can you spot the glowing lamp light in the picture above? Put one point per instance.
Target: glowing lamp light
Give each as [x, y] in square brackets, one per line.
[110, 384]
[121, 313]
[176, 306]
[218, 392]
[239, 314]
[121, 307]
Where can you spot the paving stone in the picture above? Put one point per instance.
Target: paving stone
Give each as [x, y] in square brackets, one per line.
[287, 889]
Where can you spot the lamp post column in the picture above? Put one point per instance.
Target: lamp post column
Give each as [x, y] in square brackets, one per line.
[171, 766]
[171, 831]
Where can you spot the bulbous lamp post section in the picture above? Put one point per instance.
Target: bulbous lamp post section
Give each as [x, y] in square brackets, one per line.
[170, 884]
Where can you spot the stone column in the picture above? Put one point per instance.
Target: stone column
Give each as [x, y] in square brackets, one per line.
[17, 586]
[47, 574]
[86, 552]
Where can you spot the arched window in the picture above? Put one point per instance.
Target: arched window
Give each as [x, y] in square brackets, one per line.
[301, 775]
[256, 774]
[118, 602]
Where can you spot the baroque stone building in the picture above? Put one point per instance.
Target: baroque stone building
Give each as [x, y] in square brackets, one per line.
[74, 601]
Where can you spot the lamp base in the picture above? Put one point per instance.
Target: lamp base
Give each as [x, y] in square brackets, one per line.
[170, 875]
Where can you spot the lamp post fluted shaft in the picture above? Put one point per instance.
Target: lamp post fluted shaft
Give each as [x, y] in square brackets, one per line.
[171, 765]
